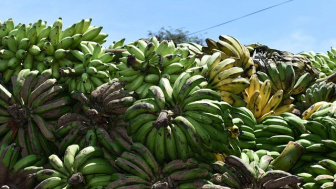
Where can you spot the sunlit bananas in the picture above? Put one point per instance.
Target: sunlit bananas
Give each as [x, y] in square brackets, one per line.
[322, 91]
[106, 103]
[92, 67]
[319, 107]
[16, 170]
[145, 61]
[174, 121]
[319, 175]
[224, 77]
[229, 47]
[254, 172]
[38, 46]
[75, 169]
[273, 133]
[325, 62]
[261, 101]
[29, 112]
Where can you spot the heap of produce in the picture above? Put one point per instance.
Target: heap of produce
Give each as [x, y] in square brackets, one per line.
[77, 113]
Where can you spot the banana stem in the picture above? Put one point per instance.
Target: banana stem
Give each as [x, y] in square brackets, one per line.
[76, 179]
[288, 157]
[115, 50]
[162, 120]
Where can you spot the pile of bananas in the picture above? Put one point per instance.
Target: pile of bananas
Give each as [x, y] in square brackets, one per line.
[320, 175]
[38, 46]
[155, 114]
[261, 103]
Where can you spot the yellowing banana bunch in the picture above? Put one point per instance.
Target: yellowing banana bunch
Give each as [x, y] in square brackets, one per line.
[261, 103]
[80, 168]
[16, 170]
[230, 47]
[38, 46]
[224, 77]
[27, 113]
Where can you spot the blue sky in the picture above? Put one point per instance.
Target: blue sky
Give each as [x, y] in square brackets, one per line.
[300, 25]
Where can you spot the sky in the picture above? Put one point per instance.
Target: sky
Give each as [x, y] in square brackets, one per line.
[297, 26]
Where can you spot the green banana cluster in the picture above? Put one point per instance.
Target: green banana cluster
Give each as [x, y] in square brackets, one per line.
[92, 67]
[319, 140]
[80, 168]
[38, 46]
[245, 121]
[274, 133]
[322, 91]
[176, 121]
[224, 76]
[17, 171]
[282, 77]
[319, 176]
[144, 62]
[251, 170]
[29, 112]
[325, 62]
[230, 47]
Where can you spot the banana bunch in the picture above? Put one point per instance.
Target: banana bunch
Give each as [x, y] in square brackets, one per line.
[322, 91]
[96, 116]
[28, 113]
[77, 129]
[18, 172]
[138, 168]
[325, 62]
[186, 174]
[251, 171]
[261, 103]
[273, 133]
[282, 77]
[80, 168]
[92, 67]
[244, 119]
[320, 109]
[176, 121]
[319, 175]
[143, 64]
[194, 48]
[230, 47]
[320, 138]
[38, 46]
[224, 77]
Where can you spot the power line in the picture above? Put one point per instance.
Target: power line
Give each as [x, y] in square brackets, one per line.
[241, 17]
